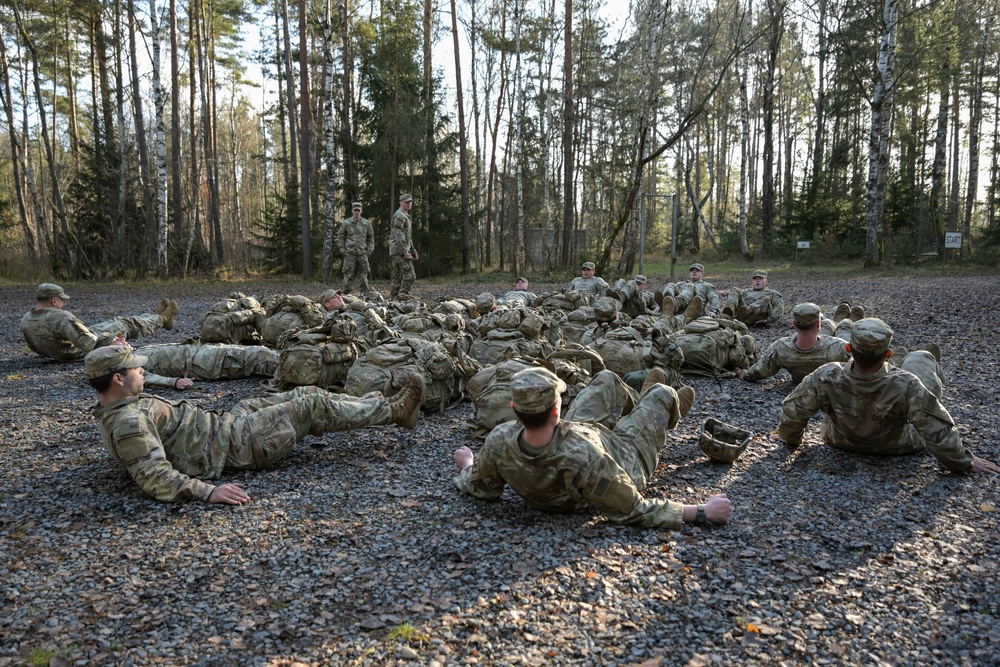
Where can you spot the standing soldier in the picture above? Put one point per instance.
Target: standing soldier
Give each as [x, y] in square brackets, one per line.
[356, 239]
[402, 254]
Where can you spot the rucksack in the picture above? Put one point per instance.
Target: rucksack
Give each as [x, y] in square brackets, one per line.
[236, 319]
[387, 367]
[284, 312]
[320, 356]
[715, 351]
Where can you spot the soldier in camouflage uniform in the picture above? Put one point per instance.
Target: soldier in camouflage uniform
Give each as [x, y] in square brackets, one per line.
[588, 283]
[207, 362]
[58, 334]
[402, 254]
[873, 408]
[758, 305]
[562, 464]
[169, 448]
[356, 239]
[519, 296]
[675, 298]
[801, 353]
[635, 299]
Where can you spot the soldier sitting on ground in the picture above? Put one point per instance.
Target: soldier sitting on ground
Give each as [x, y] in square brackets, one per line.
[635, 299]
[58, 334]
[519, 296]
[588, 283]
[560, 464]
[802, 352]
[873, 408]
[169, 448]
[675, 298]
[759, 304]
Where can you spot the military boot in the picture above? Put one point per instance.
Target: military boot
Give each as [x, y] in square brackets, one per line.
[934, 349]
[667, 305]
[656, 376]
[728, 311]
[693, 311]
[169, 314]
[742, 313]
[658, 298]
[857, 313]
[405, 405]
[162, 307]
[685, 399]
[843, 312]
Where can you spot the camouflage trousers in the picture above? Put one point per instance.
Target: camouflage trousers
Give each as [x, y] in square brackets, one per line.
[841, 329]
[402, 276]
[356, 269]
[210, 362]
[642, 419]
[756, 310]
[923, 364]
[133, 326]
[261, 431]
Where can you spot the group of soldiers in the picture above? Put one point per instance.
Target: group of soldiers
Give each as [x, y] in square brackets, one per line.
[575, 425]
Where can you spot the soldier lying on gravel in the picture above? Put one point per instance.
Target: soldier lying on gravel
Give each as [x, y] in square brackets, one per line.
[874, 408]
[58, 334]
[170, 447]
[561, 464]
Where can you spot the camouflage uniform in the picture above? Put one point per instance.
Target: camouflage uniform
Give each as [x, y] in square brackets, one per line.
[60, 335]
[592, 285]
[356, 240]
[783, 353]
[586, 463]
[636, 302]
[170, 447]
[887, 412]
[400, 243]
[684, 291]
[517, 297]
[763, 304]
[208, 362]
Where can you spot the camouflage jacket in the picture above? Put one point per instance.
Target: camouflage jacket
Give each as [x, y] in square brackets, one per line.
[401, 234]
[518, 297]
[167, 447]
[887, 412]
[782, 353]
[584, 464]
[356, 238]
[592, 285]
[58, 334]
[705, 290]
[752, 297]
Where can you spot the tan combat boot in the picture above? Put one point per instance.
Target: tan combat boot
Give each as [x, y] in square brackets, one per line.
[405, 405]
[742, 313]
[857, 313]
[685, 399]
[169, 314]
[656, 376]
[934, 349]
[728, 311]
[843, 312]
[693, 311]
[667, 305]
[162, 306]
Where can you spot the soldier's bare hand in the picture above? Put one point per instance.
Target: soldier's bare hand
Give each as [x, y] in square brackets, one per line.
[229, 494]
[979, 465]
[183, 383]
[463, 457]
[718, 508]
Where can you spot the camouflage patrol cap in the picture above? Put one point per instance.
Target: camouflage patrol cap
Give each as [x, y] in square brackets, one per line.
[50, 291]
[697, 267]
[589, 265]
[405, 198]
[356, 206]
[485, 302]
[521, 279]
[329, 294]
[640, 278]
[759, 273]
[534, 390]
[806, 314]
[111, 358]
[871, 336]
[606, 309]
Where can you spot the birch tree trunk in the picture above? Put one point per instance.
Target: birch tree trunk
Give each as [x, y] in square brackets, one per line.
[463, 158]
[569, 120]
[16, 149]
[878, 135]
[518, 256]
[175, 124]
[159, 100]
[306, 169]
[330, 143]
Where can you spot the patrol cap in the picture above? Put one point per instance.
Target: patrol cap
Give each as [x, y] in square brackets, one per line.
[356, 206]
[521, 279]
[605, 309]
[404, 198]
[871, 336]
[640, 278]
[589, 265]
[805, 314]
[759, 273]
[329, 294]
[485, 302]
[697, 267]
[103, 360]
[49, 291]
[534, 390]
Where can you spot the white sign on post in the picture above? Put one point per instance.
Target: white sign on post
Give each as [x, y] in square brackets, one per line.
[953, 239]
[803, 244]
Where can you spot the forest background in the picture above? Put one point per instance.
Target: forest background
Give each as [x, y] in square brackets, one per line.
[134, 143]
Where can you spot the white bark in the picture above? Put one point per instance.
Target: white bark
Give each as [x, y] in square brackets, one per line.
[160, 148]
[878, 136]
[330, 148]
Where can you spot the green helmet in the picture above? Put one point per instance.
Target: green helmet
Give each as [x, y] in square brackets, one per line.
[722, 442]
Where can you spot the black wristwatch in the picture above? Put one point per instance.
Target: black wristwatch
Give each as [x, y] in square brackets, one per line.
[701, 517]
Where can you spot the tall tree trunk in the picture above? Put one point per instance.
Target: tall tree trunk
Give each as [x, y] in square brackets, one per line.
[350, 175]
[16, 149]
[74, 128]
[518, 255]
[745, 135]
[293, 184]
[975, 128]
[329, 143]
[140, 120]
[776, 9]
[175, 123]
[305, 113]
[159, 100]
[463, 158]
[567, 138]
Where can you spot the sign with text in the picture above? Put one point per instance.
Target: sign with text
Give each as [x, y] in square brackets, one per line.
[803, 244]
[953, 239]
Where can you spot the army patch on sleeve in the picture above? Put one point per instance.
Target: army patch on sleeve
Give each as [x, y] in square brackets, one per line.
[602, 488]
[129, 426]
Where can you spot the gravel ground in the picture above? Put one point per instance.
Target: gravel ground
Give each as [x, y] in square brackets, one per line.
[358, 551]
